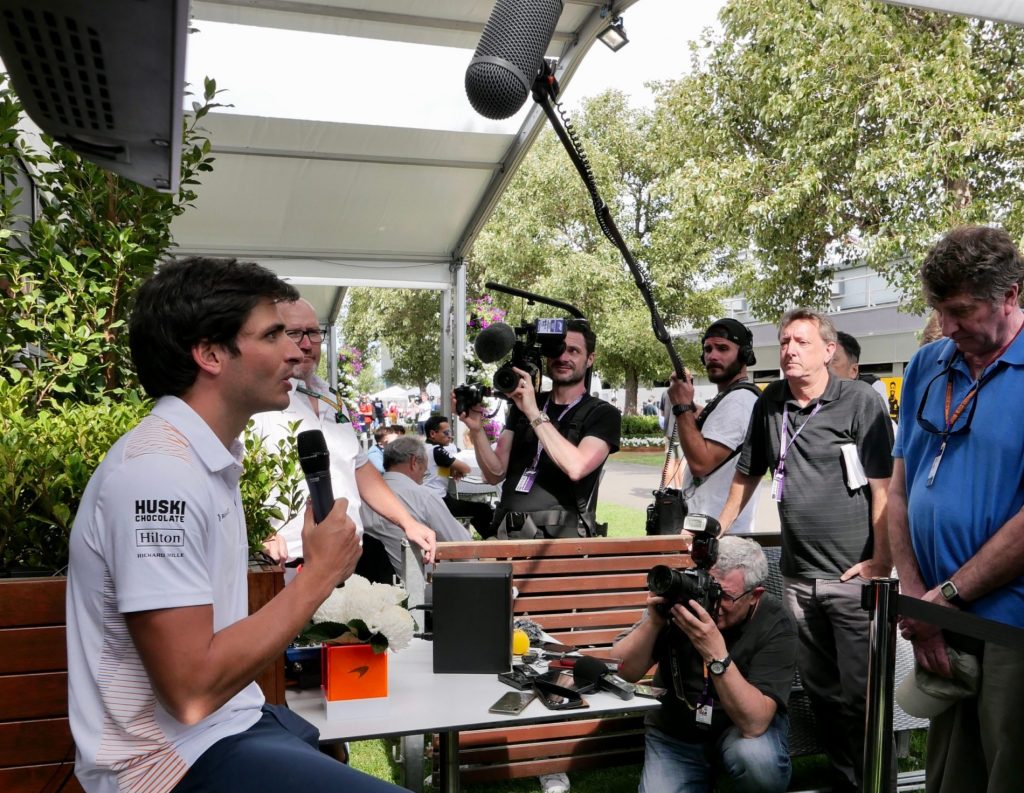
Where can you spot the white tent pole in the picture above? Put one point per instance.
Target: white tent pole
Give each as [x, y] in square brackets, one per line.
[453, 339]
[332, 351]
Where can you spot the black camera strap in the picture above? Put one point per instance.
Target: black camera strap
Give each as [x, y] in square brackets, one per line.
[677, 676]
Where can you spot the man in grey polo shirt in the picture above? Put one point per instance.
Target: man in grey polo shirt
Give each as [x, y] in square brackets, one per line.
[828, 444]
[405, 465]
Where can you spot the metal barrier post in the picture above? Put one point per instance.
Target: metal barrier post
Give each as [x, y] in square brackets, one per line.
[880, 600]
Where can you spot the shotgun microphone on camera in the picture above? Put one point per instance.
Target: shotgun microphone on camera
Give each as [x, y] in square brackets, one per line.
[510, 55]
[316, 465]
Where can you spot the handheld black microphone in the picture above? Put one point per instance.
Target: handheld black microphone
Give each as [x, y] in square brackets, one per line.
[590, 673]
[510, 55]
[316, 465]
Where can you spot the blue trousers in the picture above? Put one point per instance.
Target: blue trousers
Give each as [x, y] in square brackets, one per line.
[756, 765]
[278, 753]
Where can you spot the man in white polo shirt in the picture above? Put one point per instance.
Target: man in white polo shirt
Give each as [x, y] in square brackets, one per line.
[161, 652]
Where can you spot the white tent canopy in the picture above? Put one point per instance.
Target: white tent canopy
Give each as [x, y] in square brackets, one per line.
[331, 204]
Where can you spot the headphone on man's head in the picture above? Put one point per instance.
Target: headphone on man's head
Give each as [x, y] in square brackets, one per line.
[736, 332]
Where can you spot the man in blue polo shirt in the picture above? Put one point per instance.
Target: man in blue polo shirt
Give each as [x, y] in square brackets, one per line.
[956, 499]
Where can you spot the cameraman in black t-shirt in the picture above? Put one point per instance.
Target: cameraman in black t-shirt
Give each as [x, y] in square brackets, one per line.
[727, 681]
[552, 449]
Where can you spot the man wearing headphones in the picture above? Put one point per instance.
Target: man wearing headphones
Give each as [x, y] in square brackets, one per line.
[711, 436]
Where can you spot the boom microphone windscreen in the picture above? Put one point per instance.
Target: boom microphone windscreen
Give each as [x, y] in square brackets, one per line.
[494, 342]
[509, 55]
[587, 671]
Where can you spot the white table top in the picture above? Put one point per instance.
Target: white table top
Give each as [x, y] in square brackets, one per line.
[419, 701]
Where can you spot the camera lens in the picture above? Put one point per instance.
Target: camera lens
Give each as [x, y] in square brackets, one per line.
[506, 380]
[661, 580]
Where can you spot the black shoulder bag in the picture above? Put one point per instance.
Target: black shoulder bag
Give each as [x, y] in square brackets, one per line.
[665, 514]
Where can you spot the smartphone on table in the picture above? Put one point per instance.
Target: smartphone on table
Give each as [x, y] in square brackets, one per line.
[513, 703]
[651, 692]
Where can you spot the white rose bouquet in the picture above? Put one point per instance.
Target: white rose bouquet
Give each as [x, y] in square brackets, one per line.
[363, 613]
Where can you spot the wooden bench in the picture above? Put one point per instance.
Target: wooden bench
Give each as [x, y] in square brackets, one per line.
[36, 749]
[584, 592]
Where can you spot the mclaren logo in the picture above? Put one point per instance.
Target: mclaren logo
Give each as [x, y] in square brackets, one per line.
[359, 670]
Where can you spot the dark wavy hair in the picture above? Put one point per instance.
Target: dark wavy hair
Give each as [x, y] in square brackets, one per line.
[581, 326]
[979, 260]
[189, 301]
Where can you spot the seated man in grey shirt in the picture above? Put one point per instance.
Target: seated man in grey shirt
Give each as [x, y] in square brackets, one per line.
[405, 464]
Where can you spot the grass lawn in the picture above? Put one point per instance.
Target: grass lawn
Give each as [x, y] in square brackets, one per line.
[640, 458]
[622, 521]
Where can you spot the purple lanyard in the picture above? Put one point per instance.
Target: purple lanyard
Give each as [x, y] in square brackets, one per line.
[783, 444]
[540, 446]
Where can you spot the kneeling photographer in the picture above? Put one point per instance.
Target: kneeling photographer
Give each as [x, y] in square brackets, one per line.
[725, 653]
[554, 444]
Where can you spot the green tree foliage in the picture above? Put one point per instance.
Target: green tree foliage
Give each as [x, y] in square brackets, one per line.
[67, 391]
[543, 237]
[406, 321]
[69, 278]
[46, 459]
[812, 134]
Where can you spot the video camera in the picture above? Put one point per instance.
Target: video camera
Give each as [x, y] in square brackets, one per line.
[529, 344]
[682, 586]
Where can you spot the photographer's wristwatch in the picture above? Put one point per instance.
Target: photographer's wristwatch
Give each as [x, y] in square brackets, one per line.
[678, 410]
[543, 418]
[949, 591]
[718, 666]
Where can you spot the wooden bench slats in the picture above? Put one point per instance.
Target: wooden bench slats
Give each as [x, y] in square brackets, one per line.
[571, 603]
[32, 601]
[35, 742]
[590, 565]
[554, 765]
[36, 749]
[559, 729]
[593, 639]
[37, 778]
[587, 619]
[538, 750]
[531, 549]
[33, 650]
[583, 593]
[49, 696]
[627, 582]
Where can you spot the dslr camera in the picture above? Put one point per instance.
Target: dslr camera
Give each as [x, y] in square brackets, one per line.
[697, 583]
[529, 344]
[469, 395]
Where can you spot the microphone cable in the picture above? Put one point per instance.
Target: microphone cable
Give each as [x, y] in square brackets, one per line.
[545, 93]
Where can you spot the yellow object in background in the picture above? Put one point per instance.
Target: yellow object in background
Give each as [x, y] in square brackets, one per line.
[520, 642]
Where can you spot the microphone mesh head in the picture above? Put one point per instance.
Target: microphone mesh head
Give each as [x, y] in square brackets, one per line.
[516, 35]
[494, 342]
[313, 454]
[587, 671]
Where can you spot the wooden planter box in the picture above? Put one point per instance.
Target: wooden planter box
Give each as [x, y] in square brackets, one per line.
[36, 749]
